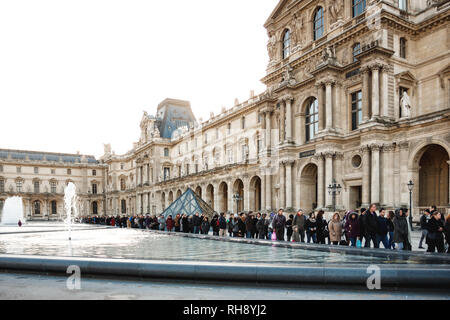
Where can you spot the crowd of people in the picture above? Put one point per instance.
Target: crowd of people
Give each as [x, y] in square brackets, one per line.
[362, 228]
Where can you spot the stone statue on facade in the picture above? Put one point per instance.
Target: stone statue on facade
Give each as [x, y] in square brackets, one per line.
[336, 9]
[107, 148]
[272, 46]
[405, 104]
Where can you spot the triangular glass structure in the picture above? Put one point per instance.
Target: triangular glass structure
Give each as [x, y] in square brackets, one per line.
[189, 203]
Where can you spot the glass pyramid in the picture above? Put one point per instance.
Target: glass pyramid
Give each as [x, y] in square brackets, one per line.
[189, 203]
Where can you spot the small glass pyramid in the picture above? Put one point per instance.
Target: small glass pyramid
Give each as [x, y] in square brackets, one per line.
[189, 203]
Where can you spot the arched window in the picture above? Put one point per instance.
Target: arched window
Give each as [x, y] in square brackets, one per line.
[356, 51]
[358, 7]
[286, 44]
[312, 119]
[403, 48]
[37, 207]
[318, 24]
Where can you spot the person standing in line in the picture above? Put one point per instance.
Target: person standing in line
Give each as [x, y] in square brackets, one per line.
[447, 232]
[170, 223]
[197, 221]
[352, 225]
[178, 222]
[215, 225]
[205, 226]
[298, 227]
[321, 226]
[270, 226]
[162, 223]
[400, 229]
[382, 234]
[254, 230]
[371, 227]
[391, 217]
[279, 223]
[289, 230]
[435, 233]
[423, 226]
[248, 225]
[241, 226]
[222, 225]
[185, 223]
[335, 229]
[311, 228]
[260, 226]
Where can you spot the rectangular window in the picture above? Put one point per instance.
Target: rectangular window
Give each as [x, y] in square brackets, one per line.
[166, 152]
[259, 146]
[94, 172]
[2, 186]
[19, 186]
[36, 187]
[356, 109]
[1, 168]
[54, 208]
[403, 48]
[52, 171]
[94, 188]
[69, 171]
[122, 166]
[19, 169]
[243, 123]
[53, 187]
[206, 138]
[402, 5]
[36, 170]
[229, 128]
[358, 7]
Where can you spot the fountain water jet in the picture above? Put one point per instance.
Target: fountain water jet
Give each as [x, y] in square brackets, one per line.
[70, 197]
[12, 211]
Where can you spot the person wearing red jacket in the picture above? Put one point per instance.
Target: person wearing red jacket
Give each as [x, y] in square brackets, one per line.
[170, 223]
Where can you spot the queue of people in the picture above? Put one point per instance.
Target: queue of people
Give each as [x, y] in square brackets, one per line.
[364, 228]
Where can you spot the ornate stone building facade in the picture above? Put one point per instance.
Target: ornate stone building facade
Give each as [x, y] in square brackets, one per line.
[358, 94]
[40, 178]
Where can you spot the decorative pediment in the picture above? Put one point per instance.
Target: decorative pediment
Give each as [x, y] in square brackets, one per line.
[406, 76]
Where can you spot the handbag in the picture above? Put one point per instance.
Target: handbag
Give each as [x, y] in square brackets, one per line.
[274, 236]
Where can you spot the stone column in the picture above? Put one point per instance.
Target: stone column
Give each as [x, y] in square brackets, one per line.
[246, 204]
[289, 184]
[231, 202]
[375, 189]
[216, 198]
[366, 176]
[268, 192]
[338, 170]
[301, 128]
[149, 204]
[404, 192]
[320, 100]
[329, 104]
[320, 181]
[289, 136]
[375, 91]
[328, 178]
[388, 175]
[268, 131]
[282, 185]
[384, 90]
[282, 121]
[263, 191]
[365, 94]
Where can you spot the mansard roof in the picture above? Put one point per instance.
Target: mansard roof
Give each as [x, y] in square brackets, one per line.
[44, 156]
[173, 114]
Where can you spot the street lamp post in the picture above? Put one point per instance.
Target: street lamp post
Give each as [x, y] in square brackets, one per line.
[410, 188]
[237, 198]
[334, 189]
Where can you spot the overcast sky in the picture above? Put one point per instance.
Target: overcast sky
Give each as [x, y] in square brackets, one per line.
[77, 74]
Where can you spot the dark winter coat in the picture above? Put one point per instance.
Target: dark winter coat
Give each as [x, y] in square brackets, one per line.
[352, 228]
[370, 223]
[279, 222]
[400, 228]
[222, 223]
[311, 226]
[433, 229]
[382, 225]
[196, 221]
[299, 222]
